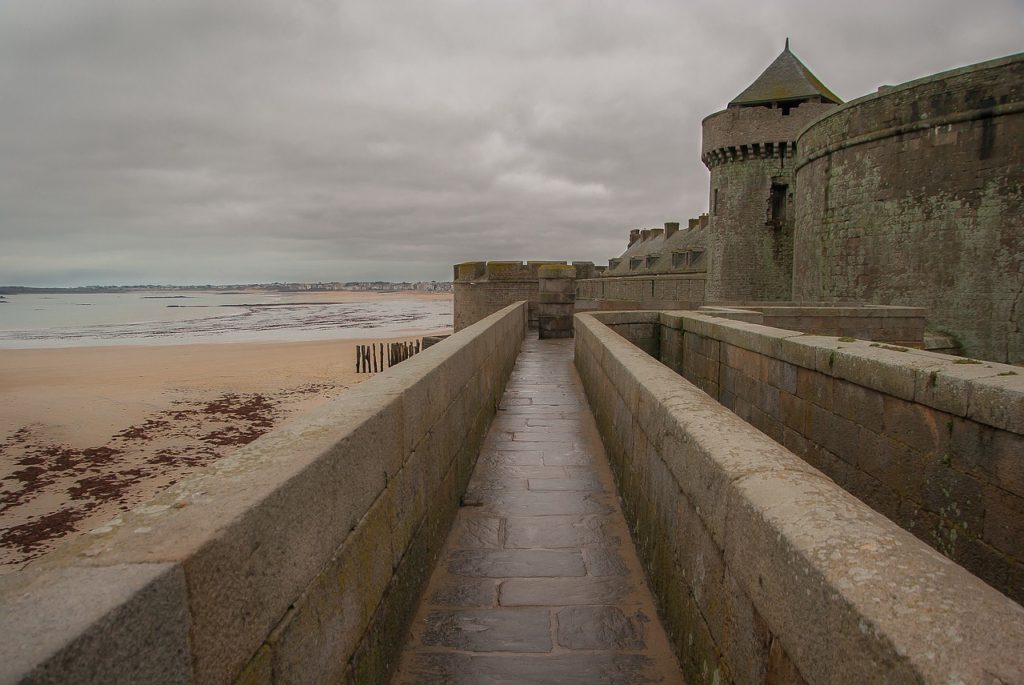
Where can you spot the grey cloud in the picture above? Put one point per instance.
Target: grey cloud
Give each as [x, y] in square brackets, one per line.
[249, 140]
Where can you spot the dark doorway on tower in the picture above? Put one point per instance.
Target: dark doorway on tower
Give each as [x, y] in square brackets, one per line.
[777, 205]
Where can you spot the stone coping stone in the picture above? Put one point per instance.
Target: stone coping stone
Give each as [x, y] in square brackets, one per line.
[114, 624]
[241, 530]
[765, 340]
[851, 596]
[868, 310]
[617, 318]
[749, 315]
[501, 271]
[988, 392]
[507, 271]
[556, 271]
[672, 319]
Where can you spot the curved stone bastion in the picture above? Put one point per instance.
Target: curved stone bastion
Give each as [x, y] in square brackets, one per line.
[299, 558]
[913, 196]
[765, 568]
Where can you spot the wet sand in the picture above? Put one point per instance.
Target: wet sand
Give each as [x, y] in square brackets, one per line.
[91, 431]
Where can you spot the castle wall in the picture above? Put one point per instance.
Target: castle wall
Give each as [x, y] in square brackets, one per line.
[747, 259]
[677, 291]
[299, 558]
[749, 247]
[903, 326]
[475, 301]
[915, 196]
[930, 442]
[766, 570]
[482, 288]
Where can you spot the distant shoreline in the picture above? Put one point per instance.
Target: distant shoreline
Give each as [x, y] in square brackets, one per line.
[154, 318]
[383, 287]
[89, 432]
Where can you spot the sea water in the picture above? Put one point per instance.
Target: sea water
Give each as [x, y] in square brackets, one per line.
[177, 317]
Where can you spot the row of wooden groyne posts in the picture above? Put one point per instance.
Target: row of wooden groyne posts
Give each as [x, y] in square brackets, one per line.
[301, 557]
[380, 356]
[376, 357]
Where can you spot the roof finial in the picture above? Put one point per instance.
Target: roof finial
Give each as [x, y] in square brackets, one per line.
[787, 42]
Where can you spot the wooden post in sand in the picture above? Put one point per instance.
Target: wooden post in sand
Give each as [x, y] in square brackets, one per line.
[377, 357]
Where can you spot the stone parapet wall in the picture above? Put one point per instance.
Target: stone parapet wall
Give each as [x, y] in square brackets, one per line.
[677, 291]
[299, 558]
[932, 441]
[482, 288]
[877, 323]
[764, 568]
[472, 302]
[914, 196]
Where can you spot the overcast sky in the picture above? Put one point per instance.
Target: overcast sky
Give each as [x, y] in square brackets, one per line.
[236, 141]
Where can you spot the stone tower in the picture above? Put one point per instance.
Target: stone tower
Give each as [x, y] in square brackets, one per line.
[750, 148]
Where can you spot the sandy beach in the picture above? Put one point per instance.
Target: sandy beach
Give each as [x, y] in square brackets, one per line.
[87, 432]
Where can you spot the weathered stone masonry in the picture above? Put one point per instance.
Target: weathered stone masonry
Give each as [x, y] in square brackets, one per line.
[750, 148]
[766, 570]
[556, 300]
[935, 445]
[751, 152]
[915, 196]
[482, 288]
[641, 292]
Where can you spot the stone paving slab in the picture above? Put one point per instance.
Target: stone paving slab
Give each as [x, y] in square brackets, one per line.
[553, 532]
[567, 591]
[445, 668]
[538, 581]
[490, 630]
[516, 563]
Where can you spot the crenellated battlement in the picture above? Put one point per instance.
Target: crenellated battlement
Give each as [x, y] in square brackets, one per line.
[740, 153]
[468, 272]
[737, 134]
[482, 288]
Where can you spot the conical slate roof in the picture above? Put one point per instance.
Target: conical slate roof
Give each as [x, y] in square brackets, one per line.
[785, 79]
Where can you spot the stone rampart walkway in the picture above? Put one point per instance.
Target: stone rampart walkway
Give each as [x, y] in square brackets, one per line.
[539, 581]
